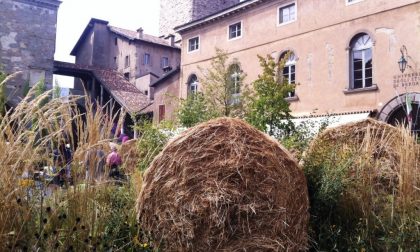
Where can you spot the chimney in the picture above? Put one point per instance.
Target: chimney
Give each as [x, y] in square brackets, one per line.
[171, 39]
[140, 32]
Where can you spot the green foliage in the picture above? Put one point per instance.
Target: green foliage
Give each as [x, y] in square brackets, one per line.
[57, 90]
[150, 143]
[40, 89]
[194, 109]
[298, 139]
[269, 110]
[219, 84]
[26, 88]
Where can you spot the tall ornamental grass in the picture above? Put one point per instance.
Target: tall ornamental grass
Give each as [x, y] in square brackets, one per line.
[81, 215]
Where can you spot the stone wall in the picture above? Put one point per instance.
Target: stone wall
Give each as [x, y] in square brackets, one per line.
[177, 12]
[204, 8]
[27, 42]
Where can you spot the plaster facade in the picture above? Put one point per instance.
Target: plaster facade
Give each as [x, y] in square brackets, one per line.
[27, 43]
[320, 38]
[165, 99]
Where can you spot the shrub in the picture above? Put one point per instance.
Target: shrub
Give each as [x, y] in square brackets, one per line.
[150, 143]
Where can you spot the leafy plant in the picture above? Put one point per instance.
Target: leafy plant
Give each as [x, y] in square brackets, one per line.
[269, 111]
[151, 142]
[194, 109]
[220, 86]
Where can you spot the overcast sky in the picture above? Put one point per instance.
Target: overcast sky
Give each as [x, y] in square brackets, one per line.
[74, 15]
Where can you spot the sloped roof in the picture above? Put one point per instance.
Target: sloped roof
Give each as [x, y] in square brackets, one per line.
[165, 77]
[124, 92]
[133, 35]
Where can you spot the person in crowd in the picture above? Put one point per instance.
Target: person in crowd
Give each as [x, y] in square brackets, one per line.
[114, 161]
[95, 164]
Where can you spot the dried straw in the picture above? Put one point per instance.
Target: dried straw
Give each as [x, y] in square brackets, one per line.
[382, 167]
[224, 186]
[130, 155]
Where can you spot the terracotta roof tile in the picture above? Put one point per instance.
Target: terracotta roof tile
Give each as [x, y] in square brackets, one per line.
[124, 92]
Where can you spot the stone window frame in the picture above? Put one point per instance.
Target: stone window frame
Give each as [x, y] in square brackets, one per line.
[241, 30]
[284, 6]
[197, 47]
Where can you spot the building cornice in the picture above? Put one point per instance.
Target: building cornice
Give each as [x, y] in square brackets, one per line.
[219, 15]
[49, 4]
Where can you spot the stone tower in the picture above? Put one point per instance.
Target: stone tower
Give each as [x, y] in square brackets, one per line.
[177, 12]
[27, 43]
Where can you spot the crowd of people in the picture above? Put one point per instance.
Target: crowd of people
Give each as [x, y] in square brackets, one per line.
[99, 166]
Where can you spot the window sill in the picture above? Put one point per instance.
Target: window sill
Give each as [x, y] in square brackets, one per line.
[286, 23]
[373, 88]
[292, 99]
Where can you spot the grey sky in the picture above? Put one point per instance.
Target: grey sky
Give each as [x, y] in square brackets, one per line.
[74, 15]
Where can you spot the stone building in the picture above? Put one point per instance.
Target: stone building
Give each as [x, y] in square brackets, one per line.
[27, 43]
[177, 12]
[141, 58]
[344, 54]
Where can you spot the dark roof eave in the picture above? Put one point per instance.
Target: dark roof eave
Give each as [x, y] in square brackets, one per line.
[218, 15]
[166, 76]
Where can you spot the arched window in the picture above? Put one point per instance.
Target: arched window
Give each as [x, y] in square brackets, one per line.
[289, 69]
[235, 83]
[361, 61]
[193, 84]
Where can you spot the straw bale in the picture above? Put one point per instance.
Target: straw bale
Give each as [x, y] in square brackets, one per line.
[130, 155]
[224, 186]
[370, 143]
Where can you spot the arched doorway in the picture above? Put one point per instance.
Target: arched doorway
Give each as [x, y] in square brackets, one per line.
[395, 111]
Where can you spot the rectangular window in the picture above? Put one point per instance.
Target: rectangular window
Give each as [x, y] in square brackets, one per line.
[146, 59]
[127, 61]
[164, 62]
[116, 41]
[127, 76]
[289, 74]
[362, 68]
[287, 13]
[193, 44]
[161, 113]
[235, 30]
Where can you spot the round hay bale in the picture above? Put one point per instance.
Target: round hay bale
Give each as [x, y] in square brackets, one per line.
[362, 176]
[224, 186]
